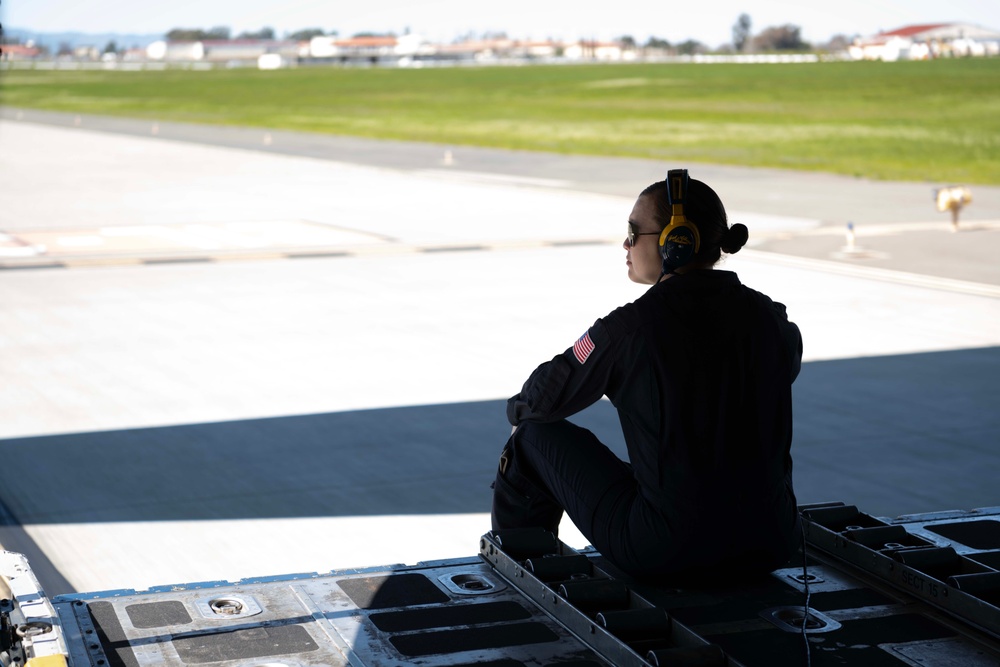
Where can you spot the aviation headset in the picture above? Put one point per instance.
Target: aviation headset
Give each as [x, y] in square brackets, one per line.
[679, 240]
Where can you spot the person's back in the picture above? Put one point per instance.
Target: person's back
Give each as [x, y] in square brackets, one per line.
[708, 419]
[700, 369]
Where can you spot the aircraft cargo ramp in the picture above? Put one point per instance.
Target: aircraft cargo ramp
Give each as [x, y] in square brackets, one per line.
[921, 589]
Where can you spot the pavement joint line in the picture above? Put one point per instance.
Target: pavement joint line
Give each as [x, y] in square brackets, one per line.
[98, 261]
[252, 256]
[136, 259]
[885, 229]
[876, 273]
[841, 268]
[455, 248]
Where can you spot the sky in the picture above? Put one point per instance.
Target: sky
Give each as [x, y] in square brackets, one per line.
[709, 21]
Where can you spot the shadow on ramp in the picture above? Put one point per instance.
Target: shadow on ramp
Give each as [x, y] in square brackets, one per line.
[895, 434]
[435, 459]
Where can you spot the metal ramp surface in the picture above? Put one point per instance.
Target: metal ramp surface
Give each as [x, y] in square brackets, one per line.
[917, 590]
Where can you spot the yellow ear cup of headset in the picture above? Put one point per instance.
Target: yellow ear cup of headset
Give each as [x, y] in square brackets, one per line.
[679, 240]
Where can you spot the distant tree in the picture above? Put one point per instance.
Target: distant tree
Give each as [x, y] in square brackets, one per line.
[657, 43]
[627, 41]
[837, 44]
[110, 47]
[65, 49]
[219, 32]
[263, 33]
[741, 32]
[186, 35]
[691, 47]
[305, 34]
[780, 38]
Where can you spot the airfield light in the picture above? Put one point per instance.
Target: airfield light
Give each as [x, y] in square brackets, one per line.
[952, 198]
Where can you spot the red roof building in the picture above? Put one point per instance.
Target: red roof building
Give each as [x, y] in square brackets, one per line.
[928, 40]
[19, 52]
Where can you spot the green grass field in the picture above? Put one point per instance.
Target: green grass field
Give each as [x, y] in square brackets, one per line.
[937, 120]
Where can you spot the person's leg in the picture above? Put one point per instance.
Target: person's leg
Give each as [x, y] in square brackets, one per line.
[548, 468]
[519, 500]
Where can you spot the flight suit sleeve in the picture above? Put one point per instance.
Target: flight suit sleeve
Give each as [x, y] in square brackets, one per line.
[792, 338]
[569, 382]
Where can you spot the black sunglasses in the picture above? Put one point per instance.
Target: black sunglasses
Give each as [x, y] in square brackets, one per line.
[632, 234]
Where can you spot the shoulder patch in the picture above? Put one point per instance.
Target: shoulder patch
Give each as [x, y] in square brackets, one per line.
[583, 347]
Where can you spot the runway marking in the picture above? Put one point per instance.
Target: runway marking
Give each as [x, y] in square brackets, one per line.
[223, 242]
[228, 242]
[157, 243]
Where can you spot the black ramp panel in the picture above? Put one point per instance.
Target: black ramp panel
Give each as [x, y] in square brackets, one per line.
[396, 590]
[472, 639]
[158, 614]
[983, 534]
[855, 644]
[112, 635]
[244, 644]
[987, 558]
[439, 617]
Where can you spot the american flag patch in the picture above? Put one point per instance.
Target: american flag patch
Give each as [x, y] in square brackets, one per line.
[583, 347]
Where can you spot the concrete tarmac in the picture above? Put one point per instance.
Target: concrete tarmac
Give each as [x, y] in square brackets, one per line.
[896, 224]
[237, 409]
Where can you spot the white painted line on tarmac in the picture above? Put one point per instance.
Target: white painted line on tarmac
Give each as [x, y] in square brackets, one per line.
[891, 229]
[875, 273]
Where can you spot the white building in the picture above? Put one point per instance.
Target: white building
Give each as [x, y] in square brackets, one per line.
[592, 50]
[372, 48]
[920, 42]
[223, 50]
[175, 51]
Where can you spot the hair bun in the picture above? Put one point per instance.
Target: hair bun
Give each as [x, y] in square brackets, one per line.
[735, 238]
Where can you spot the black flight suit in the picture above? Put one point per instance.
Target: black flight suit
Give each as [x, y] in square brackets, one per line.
[700, 370]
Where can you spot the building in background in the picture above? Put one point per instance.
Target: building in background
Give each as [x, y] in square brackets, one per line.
[913, 42]
[19, 52]
[922, 42]
[227, 51]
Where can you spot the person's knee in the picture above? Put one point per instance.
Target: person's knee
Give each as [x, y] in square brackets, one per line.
[523, 436]
[520, 457]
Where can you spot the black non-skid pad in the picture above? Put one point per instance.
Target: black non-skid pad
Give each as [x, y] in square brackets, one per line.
[397, 590]
[158, 614]
[983, 534]
[472, 639]
[439, 617]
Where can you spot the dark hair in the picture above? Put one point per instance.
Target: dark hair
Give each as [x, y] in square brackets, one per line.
[704, 208]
